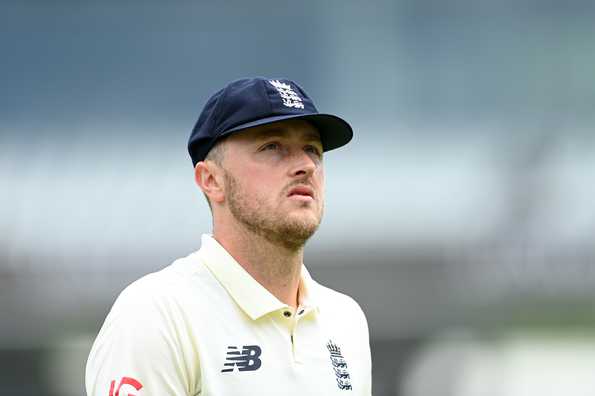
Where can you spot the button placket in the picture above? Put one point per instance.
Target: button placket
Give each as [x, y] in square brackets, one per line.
[295, 336]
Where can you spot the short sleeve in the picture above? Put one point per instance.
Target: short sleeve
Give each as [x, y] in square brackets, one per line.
[140, 351]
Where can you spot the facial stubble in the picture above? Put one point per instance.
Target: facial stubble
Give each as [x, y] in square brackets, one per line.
[286, 231]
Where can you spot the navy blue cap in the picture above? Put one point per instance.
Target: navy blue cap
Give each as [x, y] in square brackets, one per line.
[257, 101]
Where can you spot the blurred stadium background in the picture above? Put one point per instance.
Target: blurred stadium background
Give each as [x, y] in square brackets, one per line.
[462, 216]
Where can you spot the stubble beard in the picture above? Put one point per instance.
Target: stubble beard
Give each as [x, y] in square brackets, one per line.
[289, 232]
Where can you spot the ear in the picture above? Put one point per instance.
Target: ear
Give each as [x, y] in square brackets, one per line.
[208, 177]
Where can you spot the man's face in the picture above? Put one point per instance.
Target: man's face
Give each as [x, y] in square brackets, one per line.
[274, 181]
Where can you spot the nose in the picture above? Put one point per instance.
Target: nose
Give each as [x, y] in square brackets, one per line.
[302, 165]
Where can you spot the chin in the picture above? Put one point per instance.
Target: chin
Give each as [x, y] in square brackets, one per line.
[304, 228]
[294, 229]
[305, 220]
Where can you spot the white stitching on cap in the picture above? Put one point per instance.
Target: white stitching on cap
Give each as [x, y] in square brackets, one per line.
[289, 97]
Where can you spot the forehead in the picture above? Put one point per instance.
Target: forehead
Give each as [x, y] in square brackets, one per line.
[290, 128]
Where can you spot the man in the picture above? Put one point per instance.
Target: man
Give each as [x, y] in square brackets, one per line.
[242, 316]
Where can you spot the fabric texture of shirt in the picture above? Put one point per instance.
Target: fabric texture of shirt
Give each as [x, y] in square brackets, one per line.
[204, 326]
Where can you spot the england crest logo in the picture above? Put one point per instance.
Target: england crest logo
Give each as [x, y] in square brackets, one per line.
[339, 366]
[289, 97]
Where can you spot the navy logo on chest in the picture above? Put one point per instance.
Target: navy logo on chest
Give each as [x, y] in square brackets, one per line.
[248, 359]
[339, 366]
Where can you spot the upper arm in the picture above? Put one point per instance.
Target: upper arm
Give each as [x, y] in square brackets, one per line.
[139, 350]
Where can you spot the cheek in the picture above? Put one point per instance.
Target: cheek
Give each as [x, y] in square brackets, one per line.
[259, 183]
[320, 179]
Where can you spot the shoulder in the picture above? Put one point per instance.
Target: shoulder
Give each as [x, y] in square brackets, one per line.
[148, 314]
[160, 292]
[142, 337]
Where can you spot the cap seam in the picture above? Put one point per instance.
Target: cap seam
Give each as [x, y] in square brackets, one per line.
[218, 111]
[263, 87]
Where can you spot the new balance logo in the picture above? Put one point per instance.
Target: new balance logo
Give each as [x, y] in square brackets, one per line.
[245, 360]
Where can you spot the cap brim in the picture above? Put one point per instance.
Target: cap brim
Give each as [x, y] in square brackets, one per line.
[334, 131]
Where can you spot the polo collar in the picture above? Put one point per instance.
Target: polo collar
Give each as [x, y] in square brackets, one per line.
[255, 300]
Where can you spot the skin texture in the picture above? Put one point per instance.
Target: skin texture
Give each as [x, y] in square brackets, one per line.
[254, 219]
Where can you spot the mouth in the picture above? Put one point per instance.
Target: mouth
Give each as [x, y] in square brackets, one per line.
[303, 192]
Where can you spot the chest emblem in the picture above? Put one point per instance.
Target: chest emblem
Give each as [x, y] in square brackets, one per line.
[248, 359]
[339, 366]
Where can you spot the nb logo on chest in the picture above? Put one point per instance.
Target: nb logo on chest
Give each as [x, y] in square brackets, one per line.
[248, 359]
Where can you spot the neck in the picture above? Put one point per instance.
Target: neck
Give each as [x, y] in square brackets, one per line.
[277, 268]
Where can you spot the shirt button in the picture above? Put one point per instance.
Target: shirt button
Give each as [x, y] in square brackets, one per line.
[287, 314]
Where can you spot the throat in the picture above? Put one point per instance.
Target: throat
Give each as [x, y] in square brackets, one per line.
[276, 268]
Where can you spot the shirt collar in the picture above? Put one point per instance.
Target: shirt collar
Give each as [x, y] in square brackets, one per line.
[255, 300]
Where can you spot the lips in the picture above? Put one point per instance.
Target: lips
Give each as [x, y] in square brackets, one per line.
[301, 190]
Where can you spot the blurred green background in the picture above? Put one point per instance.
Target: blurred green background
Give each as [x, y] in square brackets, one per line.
[461, 217]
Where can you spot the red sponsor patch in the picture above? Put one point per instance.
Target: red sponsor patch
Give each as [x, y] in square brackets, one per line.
[124, 381]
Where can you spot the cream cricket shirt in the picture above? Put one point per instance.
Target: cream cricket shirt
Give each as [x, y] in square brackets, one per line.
[204, 326]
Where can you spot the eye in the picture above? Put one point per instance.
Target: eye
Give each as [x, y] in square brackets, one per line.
[314, 149]
[270, 146]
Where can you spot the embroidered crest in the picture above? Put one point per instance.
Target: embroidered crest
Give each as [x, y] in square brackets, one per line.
[289, 97]
[339, 366]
